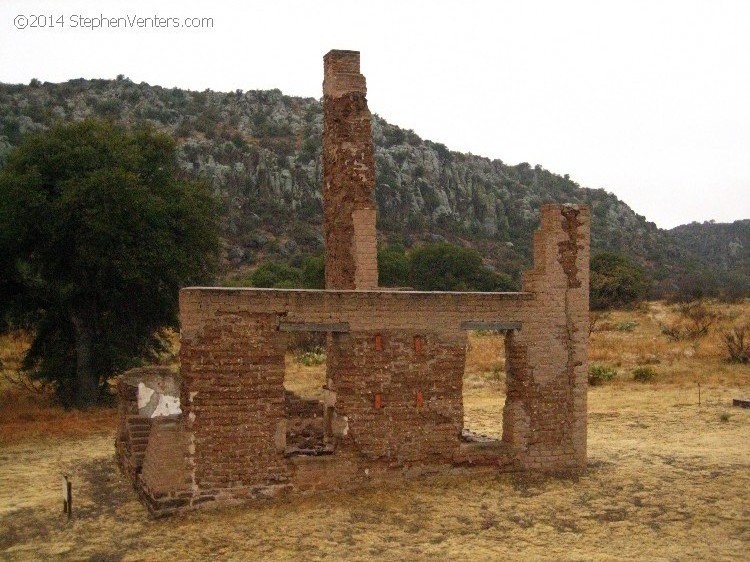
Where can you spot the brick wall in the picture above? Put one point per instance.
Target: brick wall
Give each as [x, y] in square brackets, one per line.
[233, 402]
[165, 481]
[401, 392]
[547, 392]
[393, 400]
[394, 388]
[397, 373]
[348, 176]
[134, 429]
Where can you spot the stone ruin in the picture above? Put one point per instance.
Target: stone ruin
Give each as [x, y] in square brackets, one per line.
[225, 430]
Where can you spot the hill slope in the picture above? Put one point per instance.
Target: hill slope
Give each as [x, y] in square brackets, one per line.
[720, 256]
[261, 152]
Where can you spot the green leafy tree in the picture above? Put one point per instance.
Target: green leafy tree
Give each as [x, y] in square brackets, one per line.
[280, 275]
[445, 267]
[393, 267]
[97, 235]
[313, 273]
[615, 281]
[277, 275]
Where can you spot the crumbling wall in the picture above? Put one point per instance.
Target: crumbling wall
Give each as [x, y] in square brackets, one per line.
[165, 483]
[551, 352]
[133, 430]
[395, 406]
[305, 428]
[393, 399]
[348, 176]
[143, 395]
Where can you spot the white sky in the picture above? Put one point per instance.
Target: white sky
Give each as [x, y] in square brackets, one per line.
[649, 100]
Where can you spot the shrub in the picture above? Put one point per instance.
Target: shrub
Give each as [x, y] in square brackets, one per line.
[311, 147]
[445, 267]
[599, 374]
[626, 326]
[673, 332]
[693, 285]
[694, 322]
[736, 288]
[11, 129]
[615, 281]
[300, 343]
[316, 356]
[737, 344]
[313, 273]
[107, 107]
[277, 275]
[393, 267]
[644, 374]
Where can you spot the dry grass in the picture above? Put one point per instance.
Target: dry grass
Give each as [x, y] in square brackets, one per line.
[484, 383]
[26, 414]
[305, 381]
[685, 362]
[667, 480]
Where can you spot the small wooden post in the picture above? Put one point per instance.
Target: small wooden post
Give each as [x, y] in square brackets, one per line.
[699, 394]
[67, 491]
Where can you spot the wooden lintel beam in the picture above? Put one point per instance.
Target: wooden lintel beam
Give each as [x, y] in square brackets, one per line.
[314, 327]
[480, 325]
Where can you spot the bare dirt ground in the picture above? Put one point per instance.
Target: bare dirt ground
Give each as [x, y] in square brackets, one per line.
[667, 479]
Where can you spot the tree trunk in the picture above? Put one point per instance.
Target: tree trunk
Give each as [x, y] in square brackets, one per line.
[87, 383]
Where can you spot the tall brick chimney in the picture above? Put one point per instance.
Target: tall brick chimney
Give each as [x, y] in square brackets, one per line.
[348, 176]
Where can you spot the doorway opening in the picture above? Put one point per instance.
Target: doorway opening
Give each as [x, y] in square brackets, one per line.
[484, 386]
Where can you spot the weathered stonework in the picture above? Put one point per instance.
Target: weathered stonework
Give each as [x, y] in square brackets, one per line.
[393, 399]
[348, 176]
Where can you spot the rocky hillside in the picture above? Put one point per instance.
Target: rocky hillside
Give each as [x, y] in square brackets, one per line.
[261, 152]
[720, 255]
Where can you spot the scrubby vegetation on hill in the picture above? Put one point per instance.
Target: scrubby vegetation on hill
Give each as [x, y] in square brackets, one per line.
[261, 152]
[432, 267]
[725, 264]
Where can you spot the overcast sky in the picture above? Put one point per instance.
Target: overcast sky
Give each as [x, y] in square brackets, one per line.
[649, 100]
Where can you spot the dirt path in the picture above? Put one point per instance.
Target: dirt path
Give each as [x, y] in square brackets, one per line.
[666, 481]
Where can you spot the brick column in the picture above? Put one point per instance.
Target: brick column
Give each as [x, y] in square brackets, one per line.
[545, 409]
[348, 176]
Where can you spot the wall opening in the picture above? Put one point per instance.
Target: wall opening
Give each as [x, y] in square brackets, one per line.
[304, 388]
[484, 385]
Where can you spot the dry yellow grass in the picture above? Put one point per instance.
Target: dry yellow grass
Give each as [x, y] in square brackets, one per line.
[685, 362]
[25, 414]
[305, 381]
[667, 480]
